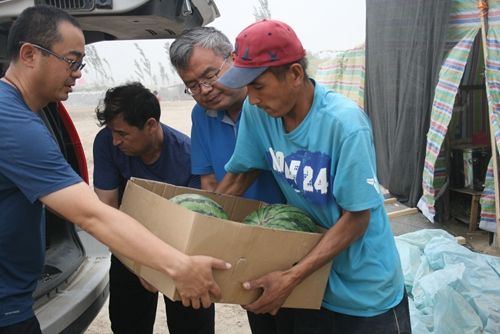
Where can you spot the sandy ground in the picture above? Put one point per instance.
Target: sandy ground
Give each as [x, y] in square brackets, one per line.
[229, 318]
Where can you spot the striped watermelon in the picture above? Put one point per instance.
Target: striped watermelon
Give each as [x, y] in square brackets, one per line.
[200, 204]
[282, 216]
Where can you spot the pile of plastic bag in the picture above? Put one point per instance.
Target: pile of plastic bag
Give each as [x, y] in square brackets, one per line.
[451, 289]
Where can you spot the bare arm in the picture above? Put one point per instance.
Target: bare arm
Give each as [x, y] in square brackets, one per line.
[236, 184]
[192, 274]
[279, 284]
[208, 182]
[110, 197]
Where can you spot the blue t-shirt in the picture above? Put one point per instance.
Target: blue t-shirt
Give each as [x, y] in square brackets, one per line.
[31, 166]
[323, 166]
[112, 168]
[213, 136]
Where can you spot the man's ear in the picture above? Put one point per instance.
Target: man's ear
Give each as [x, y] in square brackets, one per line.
[151, 124]
[27, 55]
[233, 56]
[296, 73]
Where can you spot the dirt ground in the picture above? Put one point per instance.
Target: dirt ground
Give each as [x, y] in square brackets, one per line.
[229, 318]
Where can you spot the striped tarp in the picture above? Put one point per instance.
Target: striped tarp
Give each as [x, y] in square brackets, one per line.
[487, 201]
[488, 221]
[464, 24]
[345, 74]
[470, 121]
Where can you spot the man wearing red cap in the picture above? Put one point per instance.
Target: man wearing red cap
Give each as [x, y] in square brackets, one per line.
[319, 146]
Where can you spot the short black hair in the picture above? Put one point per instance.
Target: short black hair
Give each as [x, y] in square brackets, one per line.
[279, 71]
[37, 25]
[134, 101]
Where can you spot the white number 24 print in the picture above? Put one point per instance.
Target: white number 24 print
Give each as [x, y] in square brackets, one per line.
[290, 171]
[320, 183]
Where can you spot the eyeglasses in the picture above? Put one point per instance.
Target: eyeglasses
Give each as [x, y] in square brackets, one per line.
[207, 82]
[74, 65]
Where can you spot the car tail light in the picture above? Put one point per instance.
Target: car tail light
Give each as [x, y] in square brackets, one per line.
[75, 139]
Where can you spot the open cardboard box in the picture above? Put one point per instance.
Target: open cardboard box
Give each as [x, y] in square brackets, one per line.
[252, 250]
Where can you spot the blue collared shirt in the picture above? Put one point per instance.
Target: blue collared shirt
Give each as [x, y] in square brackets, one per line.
[213, 138]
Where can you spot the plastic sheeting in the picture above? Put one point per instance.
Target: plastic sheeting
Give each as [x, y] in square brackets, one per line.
[452, 289]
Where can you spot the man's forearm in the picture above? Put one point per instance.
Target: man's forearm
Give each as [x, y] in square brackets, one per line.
[118, 231]
[110, 197]
[123, 234]
[350, 227]
[236, 183]
[208, 182]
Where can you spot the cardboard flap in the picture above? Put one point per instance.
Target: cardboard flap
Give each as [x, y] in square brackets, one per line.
[237, 208]
[156, 210]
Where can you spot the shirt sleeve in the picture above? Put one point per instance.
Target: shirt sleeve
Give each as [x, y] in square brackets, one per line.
[200, 151]
[194, 181]
[31, 158]
[355, 186]
[106, 174]
[249, 152]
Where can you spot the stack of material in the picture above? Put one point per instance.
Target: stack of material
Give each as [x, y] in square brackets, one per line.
[452, 289]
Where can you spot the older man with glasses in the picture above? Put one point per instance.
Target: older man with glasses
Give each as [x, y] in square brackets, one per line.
[200, 56]
[194, 88]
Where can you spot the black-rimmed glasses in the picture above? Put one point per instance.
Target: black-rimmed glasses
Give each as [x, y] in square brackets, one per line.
[74, 65]
[207, 82]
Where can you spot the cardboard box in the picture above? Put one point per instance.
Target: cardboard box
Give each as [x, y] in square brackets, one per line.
[252, 250]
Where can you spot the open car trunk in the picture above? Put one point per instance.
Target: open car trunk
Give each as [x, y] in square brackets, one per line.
[64, 251]
[73, 286]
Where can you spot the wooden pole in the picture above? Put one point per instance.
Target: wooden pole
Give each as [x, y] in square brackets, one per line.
[391, 200]
[402, 212]
[483, 6]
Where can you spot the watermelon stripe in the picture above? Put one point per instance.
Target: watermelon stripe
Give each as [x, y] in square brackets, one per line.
[200, 204]
[282, 216]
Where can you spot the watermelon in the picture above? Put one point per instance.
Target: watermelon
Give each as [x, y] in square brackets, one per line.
[201, 204]
[282, 216]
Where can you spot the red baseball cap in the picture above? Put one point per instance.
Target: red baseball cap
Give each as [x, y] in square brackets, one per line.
[259, 46]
